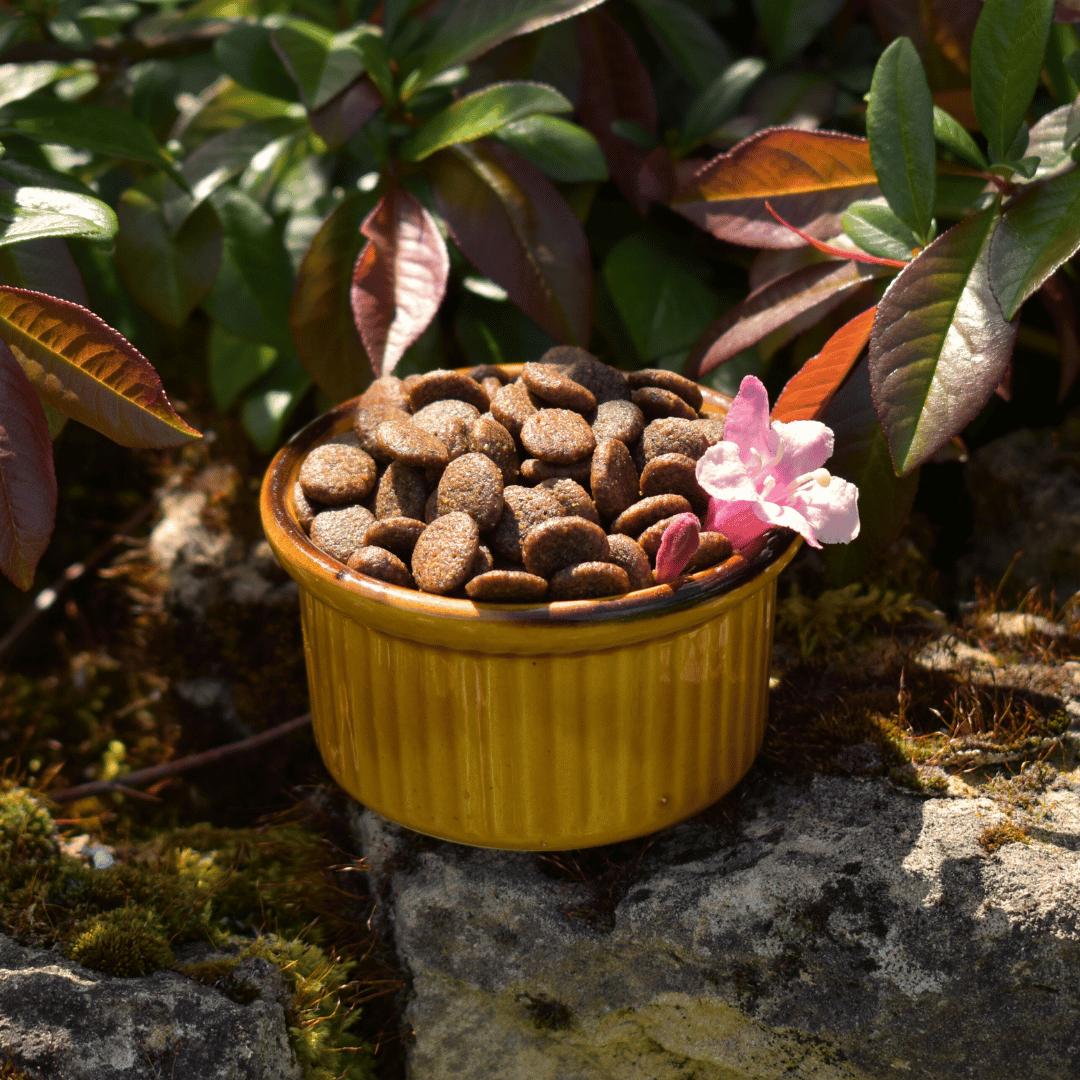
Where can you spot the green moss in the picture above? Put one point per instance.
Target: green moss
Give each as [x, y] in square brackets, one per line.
[27, 830]
[127, 942]
[997, 836]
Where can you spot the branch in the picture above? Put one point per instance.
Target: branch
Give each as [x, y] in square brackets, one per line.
[129, 51]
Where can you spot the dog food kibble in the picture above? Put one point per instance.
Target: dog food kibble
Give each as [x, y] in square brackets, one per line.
[472, 483]
[337, 475]
[379, 563]
[588, 581]
[561, 541]
[444, 555]
[556, 485]
[340, 532]
[557, 436]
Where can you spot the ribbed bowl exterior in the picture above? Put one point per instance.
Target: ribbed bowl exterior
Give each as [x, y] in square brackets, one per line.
[550, 726]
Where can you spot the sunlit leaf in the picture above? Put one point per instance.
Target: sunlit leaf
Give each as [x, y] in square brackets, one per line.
[810, 178]
[953, 137]
[615, 86]
[320, 316]
[246, 54]
[557, 147]
[472, 27]
[342, 117]
[235, 363]
[833, 250]
[861, 455]
[1047, 141]
[693, 45]
[268, 406]
[480, 113]
[224, 104]
[516, 229]
[940, 343]
[1059, 298]
[875, 228]
[168, 275]
[21, 80]
[400, 278]
[1006, 57]
[27, 478]
[809, 391]
[818, 288]
[32, 213]
[88, 371]
[719, 101]
[1038, 232]
[790, 25]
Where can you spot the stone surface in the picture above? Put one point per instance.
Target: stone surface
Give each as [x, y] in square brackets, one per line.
[833, 929]
[68, 1023]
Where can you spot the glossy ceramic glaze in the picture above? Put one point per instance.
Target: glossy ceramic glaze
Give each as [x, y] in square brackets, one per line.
[530, 726]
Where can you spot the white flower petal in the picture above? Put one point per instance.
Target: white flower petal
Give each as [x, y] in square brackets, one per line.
[832, 511]
[808, 444]
[720, 471]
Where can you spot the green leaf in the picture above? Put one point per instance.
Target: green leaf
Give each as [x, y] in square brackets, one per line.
[372, 49]
[266, 410]
[876, 229]
[1061, 55]
[558, 148]
[18, 81]
[30, 213]
[790, 25]
[720, 100]
[900, 127]
[1038, 232]
[1006, 57]
[662, 297]
[635, 134]
[89, 127]
[167, 274]
[951, 134]
[321, 63]
[246, 54]
[940, 343]
[693, 45]
[253, 289]
[235, 363]
[482, 113]
[472, 27]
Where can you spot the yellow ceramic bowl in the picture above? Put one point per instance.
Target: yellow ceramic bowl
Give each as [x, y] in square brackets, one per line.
[551, 726]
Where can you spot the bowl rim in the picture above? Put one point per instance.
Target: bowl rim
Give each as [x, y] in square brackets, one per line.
[284, 531]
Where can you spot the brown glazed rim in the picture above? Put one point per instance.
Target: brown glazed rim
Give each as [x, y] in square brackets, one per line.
[660, 599]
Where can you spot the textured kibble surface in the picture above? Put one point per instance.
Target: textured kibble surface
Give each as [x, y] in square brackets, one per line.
[606, 383]
[561, 541]
[387, 391]
[403, 441]
[439, 385]
[366, 423]
[337, 474]
[626, 552]
[487, 436]
[523, 508]
[673, 435]
[444, 555]
[472, 484]
[379, 563]
[305, 510]
[439, 418]
[645, 512]
[340, 532]
[588, 581]
[672, 381]
[550, 382]
[507, 586]
[655, 402]
[396, 534]
[557, 436]
[573, 497]
[618, 419]
[614, 478]
[535, 471]
[402, 492]
[675, 474]
[713, 549]
[650, 538]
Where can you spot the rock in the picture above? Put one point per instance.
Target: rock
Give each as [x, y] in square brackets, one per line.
[64, 1021]
[829, 929]
[1018, 624]
[951, 654]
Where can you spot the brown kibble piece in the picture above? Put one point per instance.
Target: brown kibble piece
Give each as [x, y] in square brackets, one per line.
[614, 479]
[439, 418]
[480, 372]
[442, 384]
[534, 471]
[487, 436]
[573, 497]
[713, 549]
[366, 423]
[402, 492]
[431, 507]
[636, 519]
[523, 509]
[403, 441]
[605, 382]
[507, 586]
[557, 436]
[549, 381]
[655, 402]
[379, 563]
[337, 475]
[651, 537]
[674, 435]
[675, 474]
[588, 581]
[618, 419]
[444, 554]
[626, 552]
[562, 541]
[305, 511]
[712, 427]
[385, 392]
[472, 484]
[340, 532]
[491, 386]
[483, 562]
[345, 438]
[512, 406]
[671, 381]
[396, 534]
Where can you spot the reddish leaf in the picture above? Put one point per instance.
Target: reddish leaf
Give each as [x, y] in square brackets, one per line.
[774, 263]
[343, 116]
[820, 288]
[837, 253]
[656, 178]
[810, 177]
[811, 388]
[400, 278]
[45, 266]
[615, 85]
[1060, 300]
[320, 317]
[84, 368]
[27, 479]
[515, 228]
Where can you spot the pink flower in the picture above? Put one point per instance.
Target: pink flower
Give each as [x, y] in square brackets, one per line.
[765, 474]
[677, 547]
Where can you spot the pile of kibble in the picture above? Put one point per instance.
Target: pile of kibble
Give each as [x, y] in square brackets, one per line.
[557, 485]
